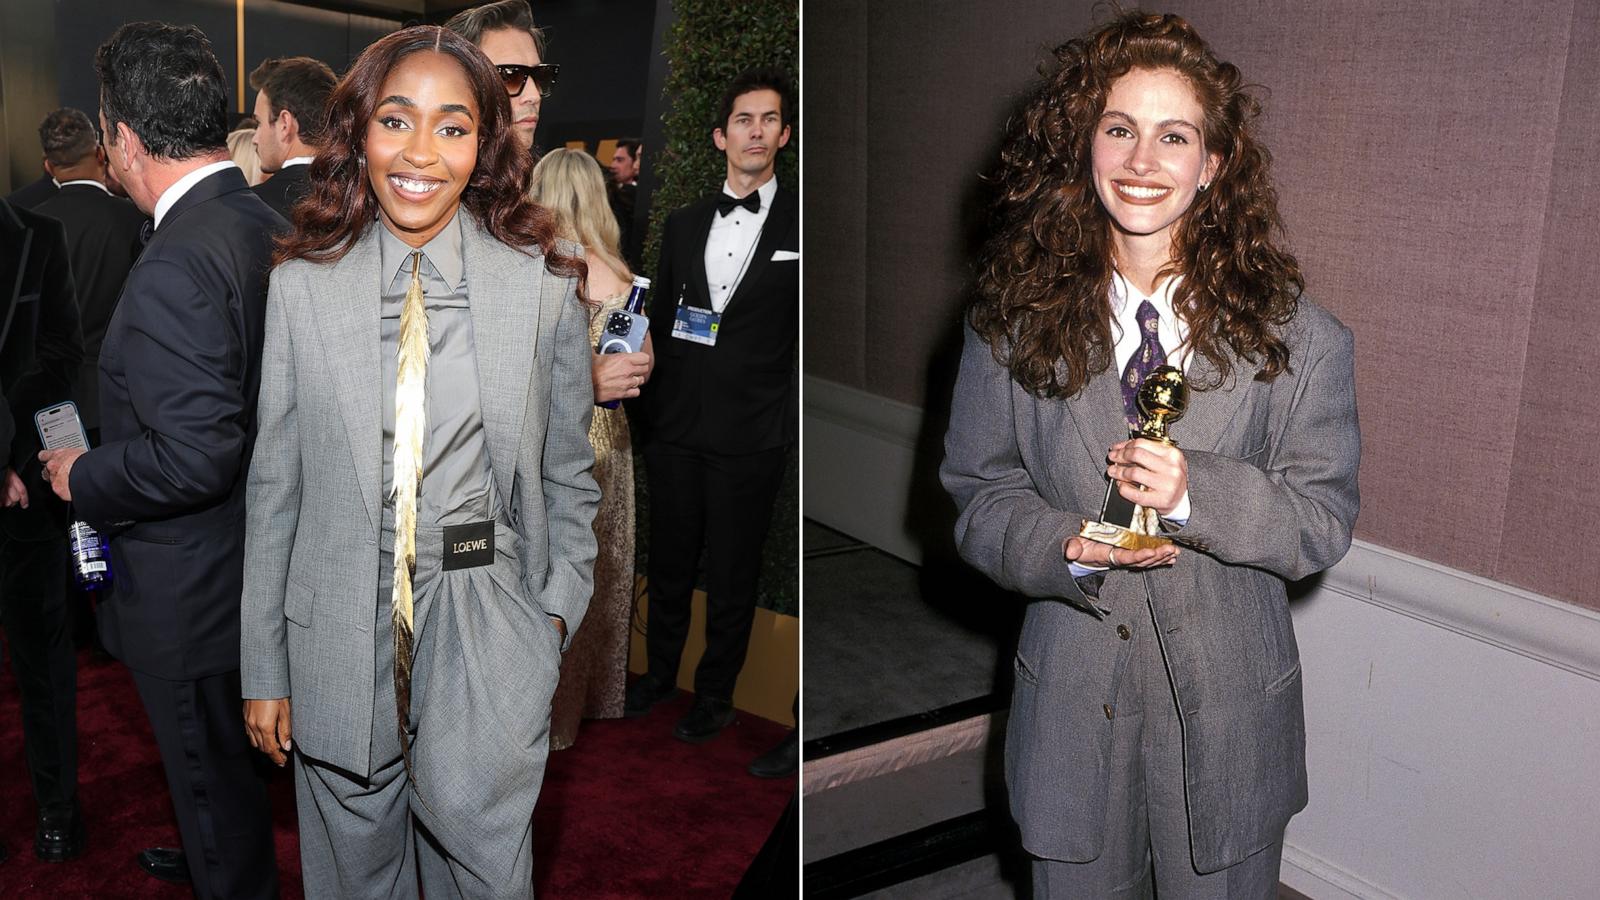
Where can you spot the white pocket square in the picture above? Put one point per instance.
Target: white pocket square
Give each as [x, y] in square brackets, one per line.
[785, 255]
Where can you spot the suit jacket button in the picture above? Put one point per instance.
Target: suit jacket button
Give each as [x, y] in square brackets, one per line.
[1108, 710]
[1122, 632]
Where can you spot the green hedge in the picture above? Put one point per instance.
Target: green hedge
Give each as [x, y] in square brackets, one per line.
[711, 42]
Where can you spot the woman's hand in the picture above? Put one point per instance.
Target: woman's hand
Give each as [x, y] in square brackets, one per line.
[267, 723]
[1149, 473]
[1085, 552]
[617, 376]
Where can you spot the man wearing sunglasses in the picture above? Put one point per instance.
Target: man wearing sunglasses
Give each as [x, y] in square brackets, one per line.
[504, 31]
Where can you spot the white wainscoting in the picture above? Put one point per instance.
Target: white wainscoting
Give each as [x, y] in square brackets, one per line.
[1453, 723]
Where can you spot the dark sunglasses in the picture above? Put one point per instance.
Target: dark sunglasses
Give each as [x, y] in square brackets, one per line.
[516, 77]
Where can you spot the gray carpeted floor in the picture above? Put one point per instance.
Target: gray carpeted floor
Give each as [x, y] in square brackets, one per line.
[885, 639]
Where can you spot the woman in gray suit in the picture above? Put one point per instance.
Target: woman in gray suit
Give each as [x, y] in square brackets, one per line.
[418, 536]
[1156, 736]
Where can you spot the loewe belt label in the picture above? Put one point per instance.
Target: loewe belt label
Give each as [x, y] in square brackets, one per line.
[468, 546]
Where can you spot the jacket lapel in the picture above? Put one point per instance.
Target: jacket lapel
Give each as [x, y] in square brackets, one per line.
[505, 307]
[1097, 412]
[350, 311]
[1211, 411]
[697, 261]
[780, 221]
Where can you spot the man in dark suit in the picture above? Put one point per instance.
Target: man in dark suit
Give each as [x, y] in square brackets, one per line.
[33, 193]
[291, 93]
[721, 409]
[39, 358]
[624, 193]
[179, 373]
[103, 240]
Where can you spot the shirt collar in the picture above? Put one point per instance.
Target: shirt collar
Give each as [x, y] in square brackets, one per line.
[1122, 290]
[443, 254]
[768, 190]
[86, 181]
[296, 161]
[173, 194]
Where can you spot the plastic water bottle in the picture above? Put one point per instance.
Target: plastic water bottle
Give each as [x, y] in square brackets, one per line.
[91, 557]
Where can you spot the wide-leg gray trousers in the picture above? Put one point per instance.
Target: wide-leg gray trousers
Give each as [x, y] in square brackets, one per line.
[461, 823]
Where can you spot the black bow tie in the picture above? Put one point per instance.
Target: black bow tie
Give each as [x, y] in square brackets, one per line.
[727, 204]
[146, 230]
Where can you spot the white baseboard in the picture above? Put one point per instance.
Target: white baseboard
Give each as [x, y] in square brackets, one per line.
[1453, 723]
[1321, 880]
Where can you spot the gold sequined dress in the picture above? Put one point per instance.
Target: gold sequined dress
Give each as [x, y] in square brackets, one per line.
[594, 669]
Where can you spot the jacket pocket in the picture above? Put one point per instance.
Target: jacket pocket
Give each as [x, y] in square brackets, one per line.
[298, 603]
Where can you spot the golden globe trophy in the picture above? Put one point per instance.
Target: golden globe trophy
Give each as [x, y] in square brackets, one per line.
[1162, 399]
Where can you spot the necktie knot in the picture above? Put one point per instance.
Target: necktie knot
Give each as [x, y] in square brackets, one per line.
[1149, 320]
[727, 203]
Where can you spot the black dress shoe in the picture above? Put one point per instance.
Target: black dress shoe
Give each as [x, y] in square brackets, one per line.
[643, 695]
[780, 761]
[704, 721]
[58, 836]
[165, 864]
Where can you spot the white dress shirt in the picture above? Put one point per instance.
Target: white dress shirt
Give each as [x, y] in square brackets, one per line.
[732, 243]
[180, 187]
[296, 161]
[86, 181]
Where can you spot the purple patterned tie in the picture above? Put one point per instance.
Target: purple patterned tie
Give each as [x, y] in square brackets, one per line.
[1145, 360]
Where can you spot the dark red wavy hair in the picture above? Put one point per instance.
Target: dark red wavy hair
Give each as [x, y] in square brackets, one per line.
[340, 205]
[1045, 271]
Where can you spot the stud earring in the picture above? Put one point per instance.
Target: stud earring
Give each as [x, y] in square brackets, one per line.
[1203, 187]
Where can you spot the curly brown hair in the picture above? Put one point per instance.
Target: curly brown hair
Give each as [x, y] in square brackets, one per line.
[1045, 272]
[341, 205]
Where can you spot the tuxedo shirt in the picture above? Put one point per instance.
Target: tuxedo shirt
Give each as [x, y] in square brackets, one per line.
[731, 243]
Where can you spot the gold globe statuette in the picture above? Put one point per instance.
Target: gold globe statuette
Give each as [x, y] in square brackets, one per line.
[1162, 399]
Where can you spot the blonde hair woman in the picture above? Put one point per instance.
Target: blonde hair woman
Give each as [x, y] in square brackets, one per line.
[594, 670]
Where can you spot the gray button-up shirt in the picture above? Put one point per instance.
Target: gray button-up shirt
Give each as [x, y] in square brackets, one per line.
[457, 483]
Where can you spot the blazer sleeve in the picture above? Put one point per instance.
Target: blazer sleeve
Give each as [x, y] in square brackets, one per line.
[1005, 528]
[189, 396]
[1294, 517]
[571, 496]
[272, 511]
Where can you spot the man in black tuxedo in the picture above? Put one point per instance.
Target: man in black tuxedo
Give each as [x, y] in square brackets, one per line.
[103, 239]
[291, 93]
[721, 406]
[33, 193]
[39, 359]
[179, 372]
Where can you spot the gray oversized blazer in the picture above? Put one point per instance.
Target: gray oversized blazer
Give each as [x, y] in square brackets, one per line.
[1272, 479]
[314, 504]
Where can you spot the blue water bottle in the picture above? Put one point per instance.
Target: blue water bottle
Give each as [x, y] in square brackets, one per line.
[91, 557]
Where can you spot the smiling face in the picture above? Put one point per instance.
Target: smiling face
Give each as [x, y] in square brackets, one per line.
[515, 47]
[422, 145]
[753, 133]
[1149, 156]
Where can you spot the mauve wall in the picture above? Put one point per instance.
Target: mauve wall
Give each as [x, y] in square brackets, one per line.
[1436, 167]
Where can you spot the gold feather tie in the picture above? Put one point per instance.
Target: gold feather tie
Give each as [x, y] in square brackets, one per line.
[410, 425]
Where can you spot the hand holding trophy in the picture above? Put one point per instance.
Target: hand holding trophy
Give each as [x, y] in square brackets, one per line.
[1162, 399]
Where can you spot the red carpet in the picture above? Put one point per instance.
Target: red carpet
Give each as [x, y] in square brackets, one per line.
[627, 812]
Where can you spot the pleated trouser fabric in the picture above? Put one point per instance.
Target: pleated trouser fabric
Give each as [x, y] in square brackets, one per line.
[484, 670]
